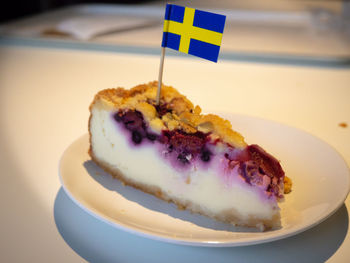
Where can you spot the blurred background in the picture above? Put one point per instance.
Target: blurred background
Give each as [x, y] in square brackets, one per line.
[282, 60]
[310, 31]
[19, 8]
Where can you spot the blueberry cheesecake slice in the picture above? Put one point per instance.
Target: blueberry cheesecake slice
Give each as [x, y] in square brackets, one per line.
[194, 160]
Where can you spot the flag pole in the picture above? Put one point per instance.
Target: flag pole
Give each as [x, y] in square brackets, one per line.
[160, 75]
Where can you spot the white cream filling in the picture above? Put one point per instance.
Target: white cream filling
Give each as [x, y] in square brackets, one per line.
[143, 163]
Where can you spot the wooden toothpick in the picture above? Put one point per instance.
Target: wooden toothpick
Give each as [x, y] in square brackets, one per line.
[160, 76]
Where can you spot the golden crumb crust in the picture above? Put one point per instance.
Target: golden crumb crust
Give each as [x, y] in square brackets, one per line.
[180, 112]
[287, 185]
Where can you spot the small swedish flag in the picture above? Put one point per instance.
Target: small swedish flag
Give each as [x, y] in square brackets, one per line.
[193, 31]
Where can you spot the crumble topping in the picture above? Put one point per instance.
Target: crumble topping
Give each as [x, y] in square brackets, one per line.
[175, 111]
[287, 185]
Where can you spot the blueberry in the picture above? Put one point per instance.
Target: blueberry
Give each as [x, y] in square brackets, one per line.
[136, 137]
[205, 156]
[133, 120]
[170, 148]
[117, 117]
[182, 158]
[261, 170]
[152, 137]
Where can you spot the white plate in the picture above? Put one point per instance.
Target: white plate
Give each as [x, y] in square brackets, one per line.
[320, 185]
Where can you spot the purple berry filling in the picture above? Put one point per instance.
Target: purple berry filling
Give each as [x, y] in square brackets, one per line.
[162, 109]
[133, 121]
[259, 168]
[255, 166]
[186, 146]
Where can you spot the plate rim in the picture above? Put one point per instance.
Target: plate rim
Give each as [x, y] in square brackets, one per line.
[209, 243]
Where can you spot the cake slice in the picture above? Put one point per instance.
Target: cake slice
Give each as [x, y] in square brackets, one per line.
[176, 153]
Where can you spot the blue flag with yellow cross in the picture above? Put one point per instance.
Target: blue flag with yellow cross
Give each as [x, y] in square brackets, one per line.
[193, 31]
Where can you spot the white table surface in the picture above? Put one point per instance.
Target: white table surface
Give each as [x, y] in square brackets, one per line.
[44, 99]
